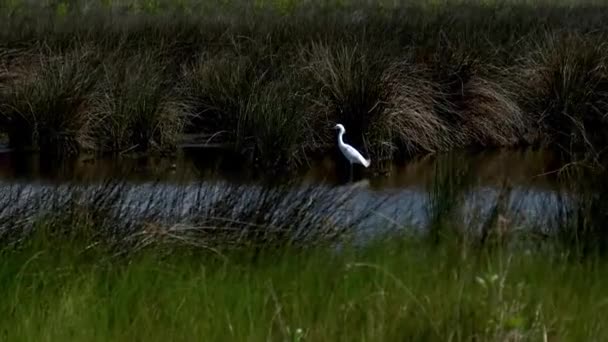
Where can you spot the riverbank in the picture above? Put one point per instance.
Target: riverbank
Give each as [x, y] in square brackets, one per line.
[270, 80]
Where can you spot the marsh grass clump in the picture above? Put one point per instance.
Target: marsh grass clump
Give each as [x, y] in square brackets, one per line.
[217, 90]
[412, 125]
[241, 101]
[566, 84]
[137, 108]
[470, 99]
[493, 116]
[276, 127]
[439, 100]
[48, 106]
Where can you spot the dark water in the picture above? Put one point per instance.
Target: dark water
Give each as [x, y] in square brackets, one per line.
[527, 168]
[400, 196]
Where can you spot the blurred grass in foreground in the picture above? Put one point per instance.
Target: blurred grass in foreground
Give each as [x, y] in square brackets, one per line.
[400, 290]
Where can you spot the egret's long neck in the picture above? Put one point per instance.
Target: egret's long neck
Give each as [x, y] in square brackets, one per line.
[340, 139]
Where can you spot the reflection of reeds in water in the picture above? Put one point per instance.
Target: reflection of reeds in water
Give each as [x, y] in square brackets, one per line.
[525, 168]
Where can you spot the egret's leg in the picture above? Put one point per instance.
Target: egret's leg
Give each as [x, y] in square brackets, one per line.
[351, 172]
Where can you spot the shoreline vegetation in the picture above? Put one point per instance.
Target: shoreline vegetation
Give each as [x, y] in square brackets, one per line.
[105, 263]
[268, 79]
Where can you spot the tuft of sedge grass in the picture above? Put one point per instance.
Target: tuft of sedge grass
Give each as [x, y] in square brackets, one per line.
[216, 90]
[48, 106]
[493, 116]
[275, 127]
[237, 101]
[470, 99]
[136, 109]
[565, 78]
[451, 70]
[410, 122]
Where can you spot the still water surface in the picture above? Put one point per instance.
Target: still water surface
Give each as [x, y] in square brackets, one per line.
[403, 196]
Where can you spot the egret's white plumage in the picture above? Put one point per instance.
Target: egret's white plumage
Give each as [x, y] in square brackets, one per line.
[353, 156]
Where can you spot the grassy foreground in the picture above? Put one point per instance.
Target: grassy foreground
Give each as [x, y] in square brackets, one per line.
[124, 262]
[394, 291]
[268, 79]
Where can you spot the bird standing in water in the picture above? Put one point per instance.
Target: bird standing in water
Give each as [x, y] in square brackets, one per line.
[353, 156]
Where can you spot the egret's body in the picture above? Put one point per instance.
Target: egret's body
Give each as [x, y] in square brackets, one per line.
[350, 153]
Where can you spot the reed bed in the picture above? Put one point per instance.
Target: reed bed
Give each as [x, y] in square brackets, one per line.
[269, 79]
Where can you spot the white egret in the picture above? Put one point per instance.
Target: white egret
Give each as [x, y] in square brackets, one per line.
[353, 156]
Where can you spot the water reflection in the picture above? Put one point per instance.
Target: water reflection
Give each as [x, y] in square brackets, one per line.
[523, 168]
[405, 196]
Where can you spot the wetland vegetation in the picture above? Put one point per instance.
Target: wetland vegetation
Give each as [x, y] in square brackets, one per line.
[486, 249]
[389, 291]
[268, 80]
